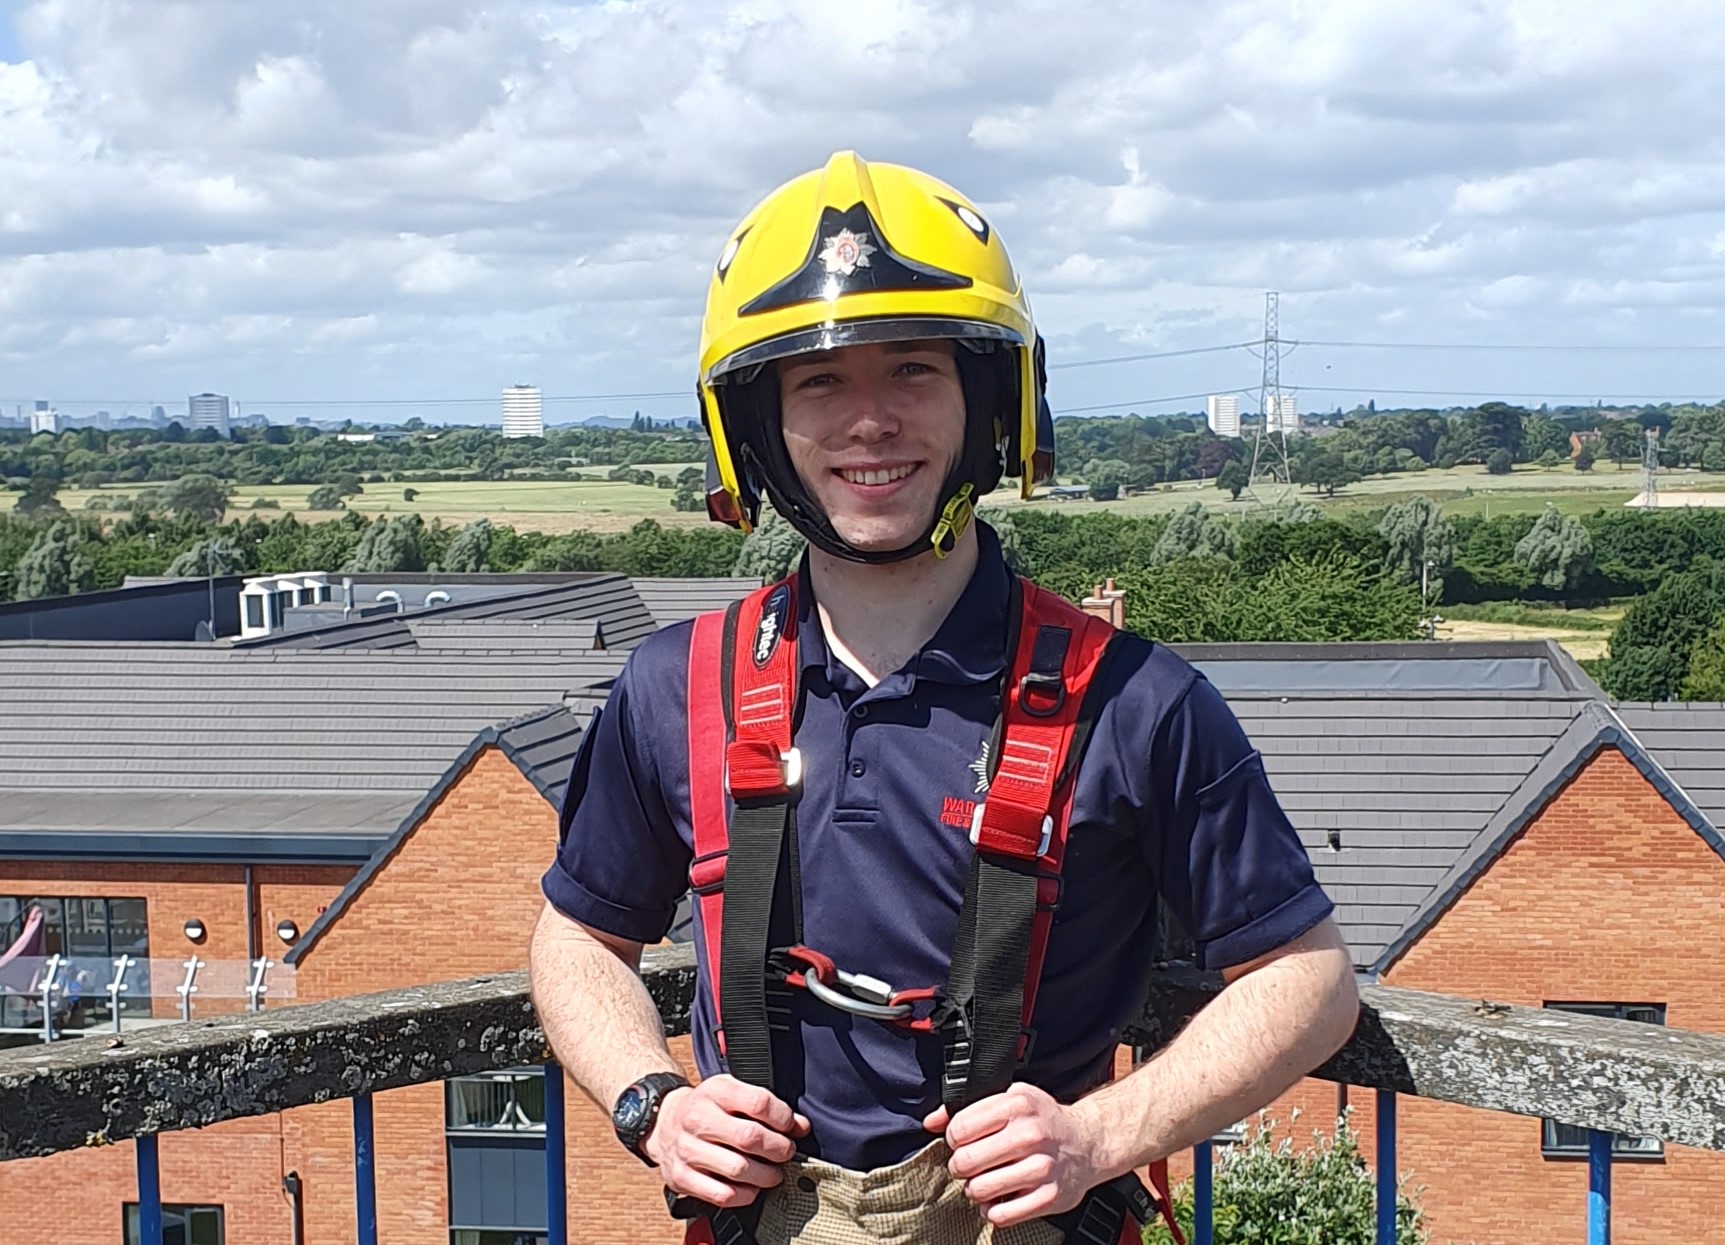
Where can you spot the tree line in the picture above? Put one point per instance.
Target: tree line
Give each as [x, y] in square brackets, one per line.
[1133, 451]
[1196, 575]
[92, 458]
[1107, 453]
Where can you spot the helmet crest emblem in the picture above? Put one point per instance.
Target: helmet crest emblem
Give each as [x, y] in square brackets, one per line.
[845, 252]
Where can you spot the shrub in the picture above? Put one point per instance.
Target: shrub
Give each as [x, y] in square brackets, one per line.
[1268, 1193]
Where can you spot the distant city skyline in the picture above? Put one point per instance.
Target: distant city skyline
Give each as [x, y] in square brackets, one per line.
[1521, 210]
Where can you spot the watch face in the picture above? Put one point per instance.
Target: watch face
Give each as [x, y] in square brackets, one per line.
[631, 1108]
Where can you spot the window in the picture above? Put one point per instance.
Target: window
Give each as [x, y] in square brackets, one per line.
[182, 1225]
[504, 1102]
[92, 933]
[254, 613]
[496, 1146]
[1562, 1140]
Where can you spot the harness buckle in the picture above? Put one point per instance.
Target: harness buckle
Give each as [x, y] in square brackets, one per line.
[754, 785]
[976, 830]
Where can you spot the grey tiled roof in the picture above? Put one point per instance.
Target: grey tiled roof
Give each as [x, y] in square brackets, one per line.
[232, 740]
[1405, 784]
[609, 600]
[498, 636]
[678, 600]
[1688, 740]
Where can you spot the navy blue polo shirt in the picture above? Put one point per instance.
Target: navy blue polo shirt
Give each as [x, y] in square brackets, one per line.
[1171, 802]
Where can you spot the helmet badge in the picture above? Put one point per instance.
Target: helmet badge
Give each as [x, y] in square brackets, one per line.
[845, 252]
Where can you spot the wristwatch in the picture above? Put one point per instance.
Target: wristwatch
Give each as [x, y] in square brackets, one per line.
[638, 1107]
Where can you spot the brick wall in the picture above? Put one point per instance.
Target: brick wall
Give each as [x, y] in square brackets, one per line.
[1606, 896]
[237, 1165]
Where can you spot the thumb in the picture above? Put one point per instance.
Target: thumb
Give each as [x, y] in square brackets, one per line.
[936, 1120]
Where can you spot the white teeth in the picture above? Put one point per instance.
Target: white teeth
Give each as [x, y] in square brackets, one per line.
[876, 477]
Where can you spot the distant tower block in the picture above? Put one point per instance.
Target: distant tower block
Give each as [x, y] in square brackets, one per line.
[523, 415]
[209, 410]
[1281, 414]
[1224, 414]
[1650, 470]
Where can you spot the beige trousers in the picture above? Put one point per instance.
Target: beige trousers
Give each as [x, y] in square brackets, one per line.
[915, 1202]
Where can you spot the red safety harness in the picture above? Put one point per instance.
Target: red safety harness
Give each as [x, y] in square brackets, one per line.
[741, 744]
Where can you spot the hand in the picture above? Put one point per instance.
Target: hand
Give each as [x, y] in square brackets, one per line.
[1020, 1154]
[720, 1141]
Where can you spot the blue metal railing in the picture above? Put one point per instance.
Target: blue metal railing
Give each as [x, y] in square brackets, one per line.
[1599, 1151]
[364, 1170]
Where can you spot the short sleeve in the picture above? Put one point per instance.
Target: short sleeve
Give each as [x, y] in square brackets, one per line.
[621, 866]
[1231, 865]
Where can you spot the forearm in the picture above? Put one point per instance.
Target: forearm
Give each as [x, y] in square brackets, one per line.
[596, 1012]
[1254, 1041]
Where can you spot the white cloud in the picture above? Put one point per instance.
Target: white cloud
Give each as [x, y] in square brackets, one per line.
[430, 197]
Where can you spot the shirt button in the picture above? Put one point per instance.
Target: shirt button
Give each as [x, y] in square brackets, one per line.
[858, 769]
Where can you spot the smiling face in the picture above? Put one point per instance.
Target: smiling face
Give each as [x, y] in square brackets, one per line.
[873, 431]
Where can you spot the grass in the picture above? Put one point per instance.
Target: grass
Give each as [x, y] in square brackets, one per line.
[1522, 614]
[592, 504]
[597, 504]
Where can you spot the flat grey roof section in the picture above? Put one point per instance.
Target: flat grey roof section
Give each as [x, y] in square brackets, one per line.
[1407, 784]
[609, 600]
[1399, 668]
[678, 600]
[1688, 741]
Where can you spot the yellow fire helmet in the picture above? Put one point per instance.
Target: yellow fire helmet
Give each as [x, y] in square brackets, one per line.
[856, 253]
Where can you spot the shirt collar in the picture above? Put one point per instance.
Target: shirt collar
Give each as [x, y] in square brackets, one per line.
[969, 646]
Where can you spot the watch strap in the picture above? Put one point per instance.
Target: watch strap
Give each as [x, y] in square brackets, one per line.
[653, 1087]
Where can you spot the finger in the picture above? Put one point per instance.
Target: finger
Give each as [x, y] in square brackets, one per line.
[980, 1119]
[1009, 1145]
[735, 1132]
[1038, 1202]
[740, 1098]
[689, 1182]
[728, 1165]
[935, 1121]
[1021, 1176]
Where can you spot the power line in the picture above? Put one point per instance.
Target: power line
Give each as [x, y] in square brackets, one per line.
[1502, 393]
[1118, 406]
[1159, 354]
[1571, 346]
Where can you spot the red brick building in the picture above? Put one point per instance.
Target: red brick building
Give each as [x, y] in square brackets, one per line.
[1486, 823]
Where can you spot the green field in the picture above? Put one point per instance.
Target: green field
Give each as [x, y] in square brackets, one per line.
[598, 504]
[1460, 490]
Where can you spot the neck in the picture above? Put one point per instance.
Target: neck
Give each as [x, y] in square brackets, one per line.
[876, 618]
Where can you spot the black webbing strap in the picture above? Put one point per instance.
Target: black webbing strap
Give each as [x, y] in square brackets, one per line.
[985, 984]
[755, 851]
[984, 1021]
[991, 950]
[751, 872]
[1101, 1216]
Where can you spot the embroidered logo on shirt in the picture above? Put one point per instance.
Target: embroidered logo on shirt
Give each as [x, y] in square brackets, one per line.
[957, 813]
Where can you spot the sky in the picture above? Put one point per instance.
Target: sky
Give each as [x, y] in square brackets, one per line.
[398, 207]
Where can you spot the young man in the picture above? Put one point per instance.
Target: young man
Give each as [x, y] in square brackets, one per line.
[869, 364]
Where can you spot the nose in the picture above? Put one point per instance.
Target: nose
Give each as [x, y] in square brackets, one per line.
[872, 418]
